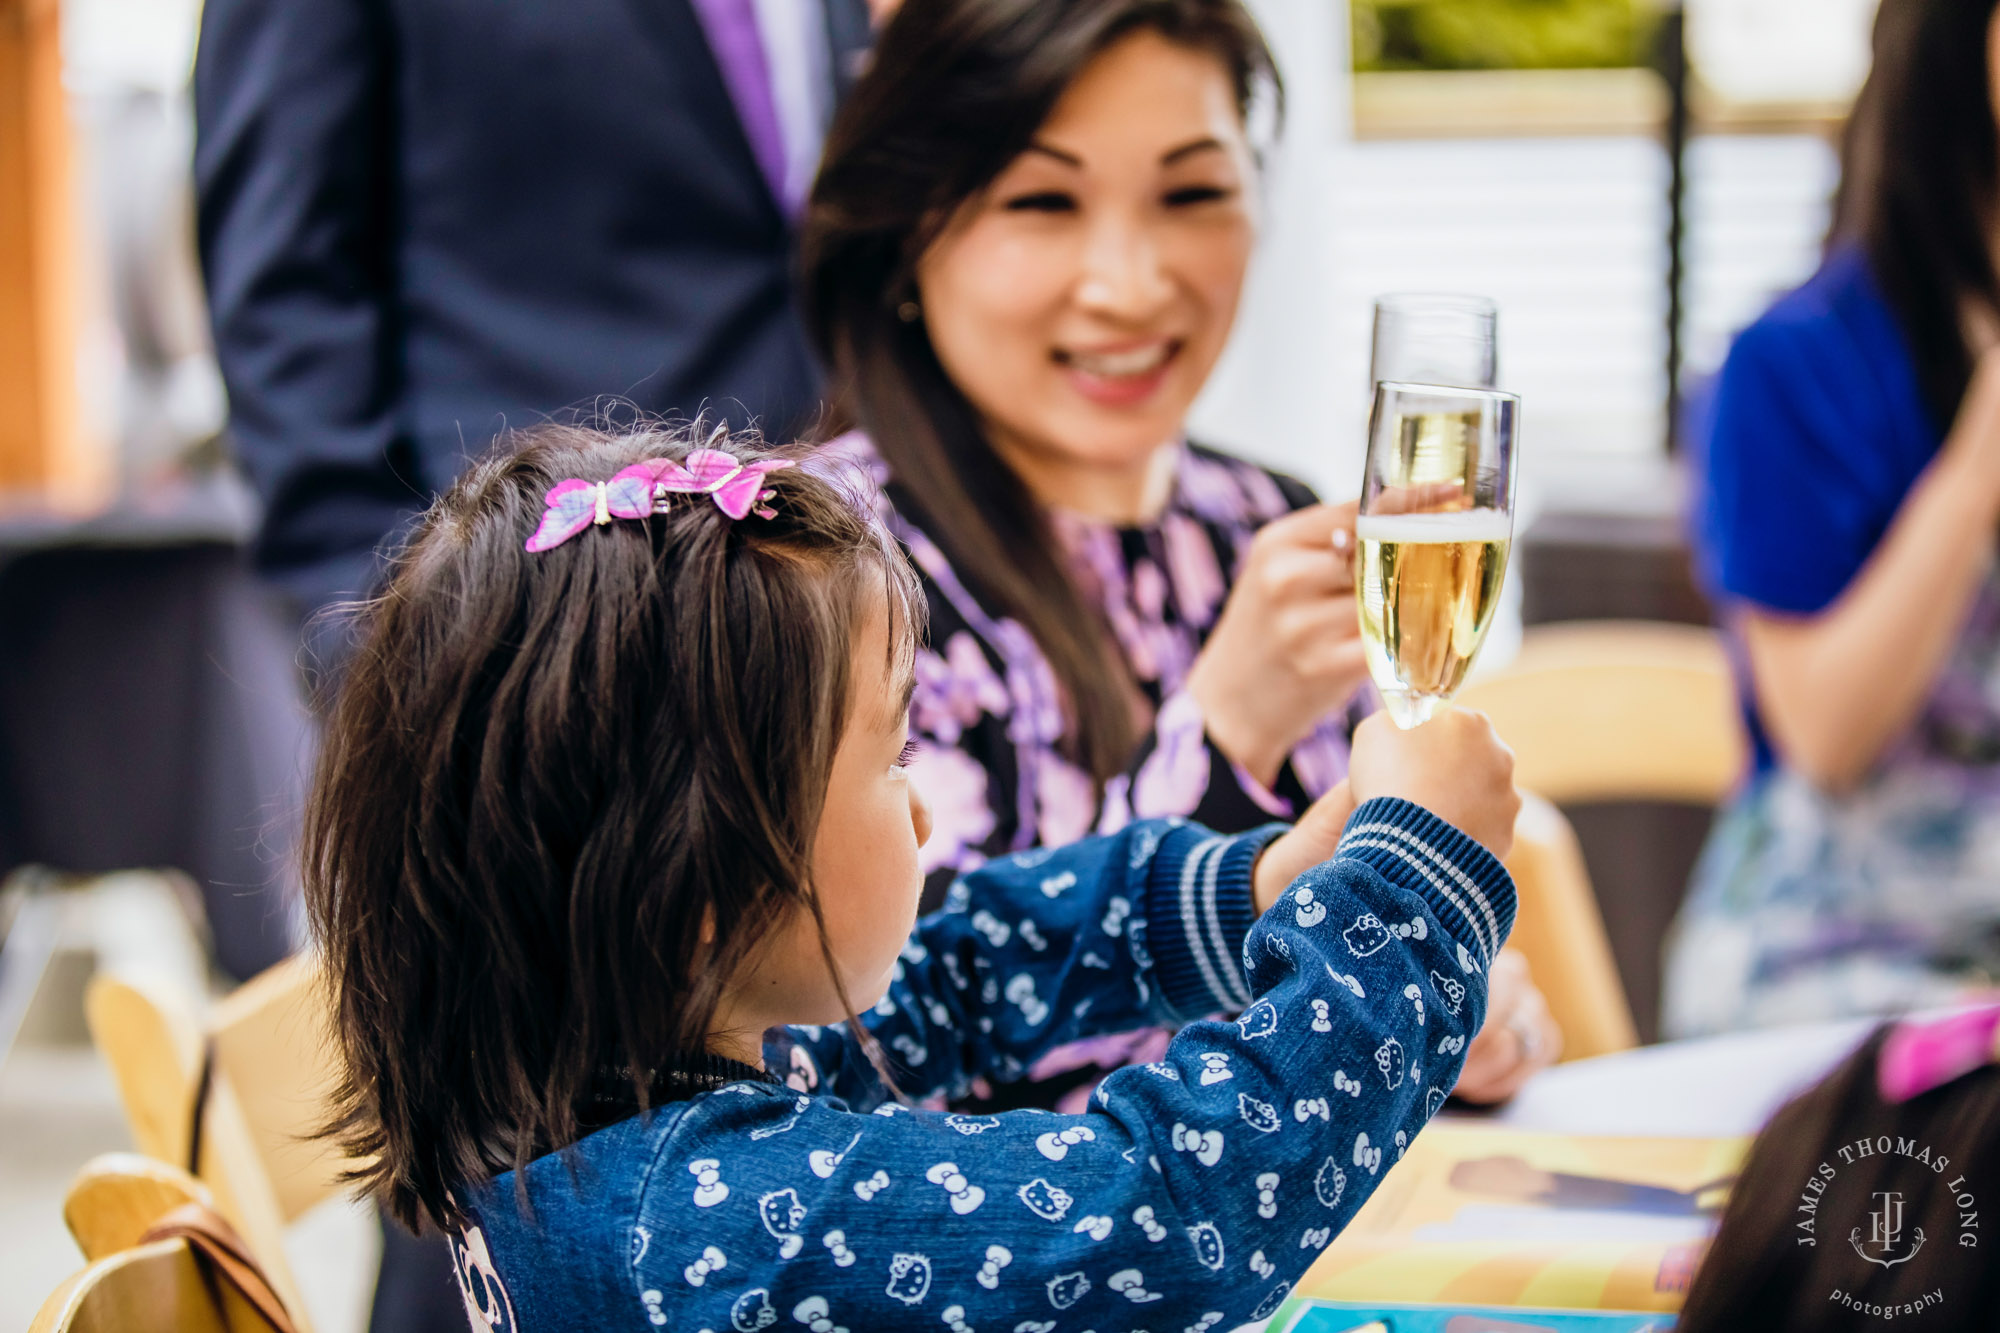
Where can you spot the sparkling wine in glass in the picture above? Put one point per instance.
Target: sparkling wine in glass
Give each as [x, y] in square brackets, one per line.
[1436, 524]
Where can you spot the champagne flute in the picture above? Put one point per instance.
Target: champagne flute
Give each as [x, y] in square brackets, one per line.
[1436, 524]
[1434, 338]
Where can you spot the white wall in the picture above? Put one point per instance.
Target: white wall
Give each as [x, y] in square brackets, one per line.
[1276, 395]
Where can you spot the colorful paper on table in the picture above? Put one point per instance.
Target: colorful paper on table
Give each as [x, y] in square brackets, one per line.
[1298, 1316]
[1483, 1216]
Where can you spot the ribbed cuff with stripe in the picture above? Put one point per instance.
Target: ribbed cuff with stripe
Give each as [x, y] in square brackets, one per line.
[1198, 911]
[1467, 888]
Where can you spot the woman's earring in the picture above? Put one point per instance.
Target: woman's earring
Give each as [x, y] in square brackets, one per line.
[909, 312]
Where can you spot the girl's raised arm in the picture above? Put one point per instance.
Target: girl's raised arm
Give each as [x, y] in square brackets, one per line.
[1104, 935]
[1208, 1181]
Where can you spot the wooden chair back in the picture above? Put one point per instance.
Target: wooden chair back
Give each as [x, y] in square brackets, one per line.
[157, 1288]
[118, 1195]
[130, 1284]
[274, 1046]
[1561, 931]
[1616, 710]
[1602, 711]
[270, 1075]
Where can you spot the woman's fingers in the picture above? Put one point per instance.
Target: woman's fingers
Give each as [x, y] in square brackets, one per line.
[1322, 641]
[1294, 573]
[1312, 526]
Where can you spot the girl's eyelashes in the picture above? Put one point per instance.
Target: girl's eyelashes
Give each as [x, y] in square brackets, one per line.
[909, 755]
[1045, 201]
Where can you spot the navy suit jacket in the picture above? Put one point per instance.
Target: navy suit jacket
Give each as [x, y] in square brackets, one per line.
[425, 220]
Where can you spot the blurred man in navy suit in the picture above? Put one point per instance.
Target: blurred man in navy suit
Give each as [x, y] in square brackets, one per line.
[424, 220]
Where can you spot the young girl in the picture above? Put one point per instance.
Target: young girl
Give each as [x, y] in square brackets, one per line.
[616, 784]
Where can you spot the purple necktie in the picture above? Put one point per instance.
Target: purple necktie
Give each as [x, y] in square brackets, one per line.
[738, 45]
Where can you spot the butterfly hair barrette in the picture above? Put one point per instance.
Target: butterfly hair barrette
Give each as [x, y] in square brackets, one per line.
[1921, 1054]
[642, 489]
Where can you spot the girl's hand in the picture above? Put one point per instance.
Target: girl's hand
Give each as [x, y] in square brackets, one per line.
[1311, 841]
[1454, 766]
[1519, 1038]
[1287, 650]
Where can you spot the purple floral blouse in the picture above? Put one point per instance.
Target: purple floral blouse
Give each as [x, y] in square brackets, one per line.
[988, 721]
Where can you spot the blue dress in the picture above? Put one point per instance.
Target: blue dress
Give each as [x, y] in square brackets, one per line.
[1806, 905]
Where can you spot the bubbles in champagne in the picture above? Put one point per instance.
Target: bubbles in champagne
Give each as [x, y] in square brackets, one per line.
[1428, 585]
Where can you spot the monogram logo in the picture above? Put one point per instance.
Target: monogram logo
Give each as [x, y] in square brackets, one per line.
[1885, 1232]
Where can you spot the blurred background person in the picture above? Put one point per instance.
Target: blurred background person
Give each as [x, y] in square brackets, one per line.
[1848, 505]
[421, 222]
[1023, 257]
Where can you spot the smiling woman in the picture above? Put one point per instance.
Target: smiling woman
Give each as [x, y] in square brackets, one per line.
[1023, 257]
[1091, 287]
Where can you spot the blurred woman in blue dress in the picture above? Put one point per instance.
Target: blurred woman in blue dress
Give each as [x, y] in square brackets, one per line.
[1848, 504]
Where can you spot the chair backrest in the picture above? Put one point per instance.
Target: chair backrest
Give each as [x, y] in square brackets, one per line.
[118, 1195]
[271, 1069]
[1561, 931]
[157, 1288]
[1617, 710]
[132, 1284]
[274, 1046]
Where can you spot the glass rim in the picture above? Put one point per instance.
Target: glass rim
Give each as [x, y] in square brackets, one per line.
[1413, 387]
[1424, 301]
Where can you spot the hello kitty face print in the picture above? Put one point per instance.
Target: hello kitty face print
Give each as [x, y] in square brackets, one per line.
[486, 1302]
[782, 1214]
[909, 1278]
[752, 1311]
[1046, 1201]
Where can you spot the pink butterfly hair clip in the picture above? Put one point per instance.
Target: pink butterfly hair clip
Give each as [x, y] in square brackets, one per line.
[641, 490]
[1923, 1054]
[738, 488]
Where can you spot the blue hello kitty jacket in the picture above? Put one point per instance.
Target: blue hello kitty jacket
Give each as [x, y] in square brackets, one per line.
[1193, 1193]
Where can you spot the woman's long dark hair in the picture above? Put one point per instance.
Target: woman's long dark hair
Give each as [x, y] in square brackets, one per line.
[546, 775]
[1759, 1274]
[956, 91]
[1920, 183]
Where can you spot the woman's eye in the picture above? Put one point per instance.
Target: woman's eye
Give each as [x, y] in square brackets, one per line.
[1197, 194]
[1048, 201]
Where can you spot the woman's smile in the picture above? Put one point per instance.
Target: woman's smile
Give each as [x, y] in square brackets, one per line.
[1121, 375]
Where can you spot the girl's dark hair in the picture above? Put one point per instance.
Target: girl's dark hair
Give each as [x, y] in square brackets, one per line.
[1919, 169]
[545, 775]
[956, 91]
[1759, 1274]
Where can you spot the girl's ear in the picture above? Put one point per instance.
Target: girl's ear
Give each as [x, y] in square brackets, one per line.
[707, 933]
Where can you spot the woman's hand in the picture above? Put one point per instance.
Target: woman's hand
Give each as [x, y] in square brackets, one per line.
[1519, 1037]
[1453, 765]
[1287, 650]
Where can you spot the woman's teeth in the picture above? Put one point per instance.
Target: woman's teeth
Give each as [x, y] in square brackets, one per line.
[1121, 365]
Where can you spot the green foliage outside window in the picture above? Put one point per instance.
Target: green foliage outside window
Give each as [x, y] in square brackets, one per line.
[1501, 34]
